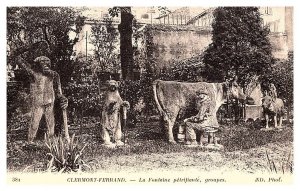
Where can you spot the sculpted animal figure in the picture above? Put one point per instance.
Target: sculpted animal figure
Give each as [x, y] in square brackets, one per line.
[111, 114]
[174, 99]
[45, 89]
[273, 107]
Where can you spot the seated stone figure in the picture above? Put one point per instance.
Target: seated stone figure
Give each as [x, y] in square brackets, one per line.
[204, 121]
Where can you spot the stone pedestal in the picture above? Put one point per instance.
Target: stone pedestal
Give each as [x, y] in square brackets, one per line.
[253, 112]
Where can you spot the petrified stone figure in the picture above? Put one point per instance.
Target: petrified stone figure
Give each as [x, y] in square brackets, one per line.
[45, 88]
[111, 114]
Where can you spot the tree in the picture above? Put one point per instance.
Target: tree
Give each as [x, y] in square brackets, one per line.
[240, 45]
[282, 77]
[163, 10]
[35, 31]
[104, 38]
[126, 49]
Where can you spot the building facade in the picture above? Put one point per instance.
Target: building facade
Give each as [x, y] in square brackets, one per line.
[278, 19]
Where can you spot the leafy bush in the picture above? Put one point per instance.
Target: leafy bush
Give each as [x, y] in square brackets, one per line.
[188, 70]
[104, 38]
[282, 77]
[18, 99]
[49, 24]
[83, 90]
[65, 157]
[132, 92]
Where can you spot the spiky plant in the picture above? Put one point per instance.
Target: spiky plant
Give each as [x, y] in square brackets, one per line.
[285, 167]
[64, 157]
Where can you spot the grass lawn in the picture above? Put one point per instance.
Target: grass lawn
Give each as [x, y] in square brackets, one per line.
[146, 149]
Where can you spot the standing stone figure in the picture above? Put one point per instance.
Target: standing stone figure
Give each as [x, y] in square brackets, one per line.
[111, 115]
[45, 89]
[272, 91]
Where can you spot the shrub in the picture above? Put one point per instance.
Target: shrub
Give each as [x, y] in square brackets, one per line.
[282, 77]
[83, 90]
[188, 70]
[18, 99]
[132, 91]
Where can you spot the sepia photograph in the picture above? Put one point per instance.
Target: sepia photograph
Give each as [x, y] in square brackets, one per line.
[171, 95]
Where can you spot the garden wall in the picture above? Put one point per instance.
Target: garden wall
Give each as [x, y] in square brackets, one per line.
[178, 43]
[279, 43]
[174, 43]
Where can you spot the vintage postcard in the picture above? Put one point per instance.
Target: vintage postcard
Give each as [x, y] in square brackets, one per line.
[166, 95]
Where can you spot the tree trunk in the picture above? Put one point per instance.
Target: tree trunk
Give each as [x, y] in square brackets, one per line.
[126, 50]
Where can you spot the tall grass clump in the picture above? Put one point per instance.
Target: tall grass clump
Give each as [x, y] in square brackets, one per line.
[65, 157]
[286, 165]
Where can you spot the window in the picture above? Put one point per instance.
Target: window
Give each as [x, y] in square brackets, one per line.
[268, 10]
[273, 25]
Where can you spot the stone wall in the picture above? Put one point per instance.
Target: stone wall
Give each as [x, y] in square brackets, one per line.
[173, 44]
[279, 43]
[177, 44]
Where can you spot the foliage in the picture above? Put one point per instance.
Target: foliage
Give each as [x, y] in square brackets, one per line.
[17, 99]
[115, 11]
[132, 92]
[286, 165]
[143, 59]
[65, 157]
[282, 77]
[188, 70]
[17, 120]
[139, 46]
[149, 70]
[240, 45]
[83, 90]
[50, 25]
[163, 10]
[104, 38]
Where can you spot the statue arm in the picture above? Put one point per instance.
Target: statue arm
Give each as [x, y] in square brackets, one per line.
[193, 119]
[56, 82]
[126, 104]
[203, 113]
[63, 101]
[21, 62]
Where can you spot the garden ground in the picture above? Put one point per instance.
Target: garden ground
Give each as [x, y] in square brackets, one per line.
[246, 149]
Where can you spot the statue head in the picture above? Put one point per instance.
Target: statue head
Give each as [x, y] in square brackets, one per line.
[112, 85]
[42, 62]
